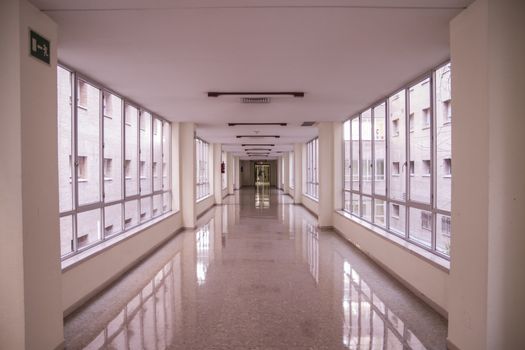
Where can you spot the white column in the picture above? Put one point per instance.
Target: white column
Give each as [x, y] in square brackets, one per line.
[230, 172]
[285, 174]
[487, 278]
[279, 172]
[187, 174]
[338, 165]
[326, 163]
[236, 173]
[216, 166]
[30, 292]
[298, 173]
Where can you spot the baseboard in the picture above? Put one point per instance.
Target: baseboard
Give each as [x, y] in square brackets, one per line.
[451, 345]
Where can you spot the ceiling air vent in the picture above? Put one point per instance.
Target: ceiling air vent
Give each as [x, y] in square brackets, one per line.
[307, 123]
[256, 99]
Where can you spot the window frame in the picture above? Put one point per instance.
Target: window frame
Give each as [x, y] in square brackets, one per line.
[408, 203]
[202, 181]
[101, 205]
[312, 169]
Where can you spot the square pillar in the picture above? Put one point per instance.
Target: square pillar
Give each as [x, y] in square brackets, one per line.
[187, 174]
[487, 278]
[216, 169]
[30, 271]
[326, 166]
[298, 173]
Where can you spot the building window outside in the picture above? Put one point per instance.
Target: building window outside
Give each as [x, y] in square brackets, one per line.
[416, 208]
[102, 197]
[312, 168]
[202, 169]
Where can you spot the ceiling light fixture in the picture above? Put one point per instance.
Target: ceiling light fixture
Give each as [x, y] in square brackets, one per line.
[258, 144]
[251, 124]
[257, 136]
[295, 94]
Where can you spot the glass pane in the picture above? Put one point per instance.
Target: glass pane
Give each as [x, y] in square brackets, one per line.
[354, 132]
[88, 131]
[420, 141]
[366, 208]
[145, 209]
[131, 214]
[380, 212]
[347, 202]
[112, 165]
[397, 146]
[157, 154]
[88, 228]
[379, 149]
[113, 219]
[356, 204]
[443, 138]
[166, 155]
[346, 139]
[420, 226]
[366, 151]
[65, 163]
[131, 159]
[397, 218]
[166, 202]
[157, 205]
[443, 228]
[145, 169]
[66, 235]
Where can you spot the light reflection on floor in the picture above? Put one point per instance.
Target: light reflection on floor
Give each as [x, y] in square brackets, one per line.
[256, 276]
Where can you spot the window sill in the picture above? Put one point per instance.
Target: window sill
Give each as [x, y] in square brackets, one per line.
[447, 176]
[311, 197]
[82, 107]
[417, 251]
[82, 180]
[425, 127]
[111, 241]
[425, 175]
[203, 198]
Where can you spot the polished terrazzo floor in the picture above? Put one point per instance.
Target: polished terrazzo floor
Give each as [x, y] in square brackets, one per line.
[256, 274]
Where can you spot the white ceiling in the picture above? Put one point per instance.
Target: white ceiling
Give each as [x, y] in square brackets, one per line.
[165, 55]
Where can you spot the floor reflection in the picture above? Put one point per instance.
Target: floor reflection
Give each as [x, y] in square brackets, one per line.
[248, 278]
[147, 320]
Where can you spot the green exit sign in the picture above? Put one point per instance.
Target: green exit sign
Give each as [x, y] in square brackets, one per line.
[39, 47]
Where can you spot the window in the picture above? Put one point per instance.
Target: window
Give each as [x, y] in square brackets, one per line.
[447, 167]
[426, 220]
[395, 127]
[202, 169]
[408, 197]
[101, 197]
[395, 211]
[447, 111]
[395, 168]
[82, 95]
[312, 171]
[426, 167]
[108, 168]
[426, 117]
[82, 168]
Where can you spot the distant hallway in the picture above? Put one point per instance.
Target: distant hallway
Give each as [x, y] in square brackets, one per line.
[256, 274]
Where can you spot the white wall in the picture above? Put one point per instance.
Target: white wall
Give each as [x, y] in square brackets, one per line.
[12, 319]
[84, 280]
[30, 305]
[487, 310]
